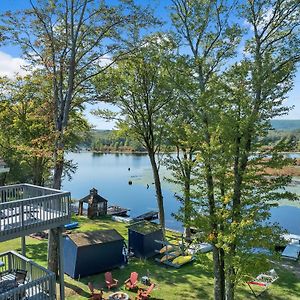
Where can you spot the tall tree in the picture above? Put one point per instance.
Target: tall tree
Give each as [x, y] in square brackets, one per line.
[73, 42]
[209, 40]
[259, 85]
[139, 87]
[27, 128]
[27, 131]
[183, 135]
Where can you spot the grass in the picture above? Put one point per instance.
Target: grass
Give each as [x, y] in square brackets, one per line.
[192, 281]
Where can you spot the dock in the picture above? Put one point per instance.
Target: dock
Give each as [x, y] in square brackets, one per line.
[291, 237]
[115, 210]
[291, 251]
[148, 216]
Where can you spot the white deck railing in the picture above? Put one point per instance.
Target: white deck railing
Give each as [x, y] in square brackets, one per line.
[39, 282]
[25, 209]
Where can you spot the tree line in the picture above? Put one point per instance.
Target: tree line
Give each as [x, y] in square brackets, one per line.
[115, 141]
[112, 140]
[208, 87]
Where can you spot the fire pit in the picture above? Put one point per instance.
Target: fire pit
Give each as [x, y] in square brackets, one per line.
[119, 296]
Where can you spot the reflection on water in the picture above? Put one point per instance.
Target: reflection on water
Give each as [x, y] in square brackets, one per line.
[110, 174]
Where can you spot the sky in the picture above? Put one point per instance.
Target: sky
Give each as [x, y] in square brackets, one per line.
[11, 60]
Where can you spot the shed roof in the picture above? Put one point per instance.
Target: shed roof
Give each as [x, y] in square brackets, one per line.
[145, 227]
[82, 239]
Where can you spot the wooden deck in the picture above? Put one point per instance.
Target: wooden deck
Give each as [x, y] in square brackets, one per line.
[26, 209]
[39, 282]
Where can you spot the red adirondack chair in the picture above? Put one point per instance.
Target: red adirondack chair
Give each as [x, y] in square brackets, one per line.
[110, 281]
[95, 296]
[131, 283]
[145, 294]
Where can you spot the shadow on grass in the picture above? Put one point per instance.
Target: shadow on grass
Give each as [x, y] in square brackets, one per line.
[287, 287]
[37, 251]
[78, 290]
[189, 282]
[185, 282]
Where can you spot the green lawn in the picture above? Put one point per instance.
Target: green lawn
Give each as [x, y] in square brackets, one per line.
[192, 281]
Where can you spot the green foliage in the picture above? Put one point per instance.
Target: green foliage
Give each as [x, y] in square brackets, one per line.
[193, 280]
[229, 105]
[139, 87]
[27, 129]
[113, 140]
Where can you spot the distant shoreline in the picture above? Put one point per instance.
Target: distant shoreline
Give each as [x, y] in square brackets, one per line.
[118, 152]
[145, 152]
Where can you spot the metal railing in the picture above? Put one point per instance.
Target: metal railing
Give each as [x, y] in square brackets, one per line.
[39, 282]
[25, 209]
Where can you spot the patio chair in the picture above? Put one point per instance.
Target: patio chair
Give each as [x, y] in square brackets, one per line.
[95, 296]
[145, 294]
[131, 283]
[110, 281]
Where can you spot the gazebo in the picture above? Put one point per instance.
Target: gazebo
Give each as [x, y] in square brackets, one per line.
[97, 205]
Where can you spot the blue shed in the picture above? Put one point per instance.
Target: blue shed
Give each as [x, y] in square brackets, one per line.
[142, 237]
[87, 253]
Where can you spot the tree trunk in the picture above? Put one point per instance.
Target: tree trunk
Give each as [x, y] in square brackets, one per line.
[38, 171]
[2, 179]
[230, 285]
[222, 273]
[159, 196]
[187, 233]
[53, 241]
[219, 293]
[58, 168]
[219, 276]
[53, 253]
[187, 209]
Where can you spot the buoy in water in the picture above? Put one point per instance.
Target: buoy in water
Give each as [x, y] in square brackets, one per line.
[130, 182]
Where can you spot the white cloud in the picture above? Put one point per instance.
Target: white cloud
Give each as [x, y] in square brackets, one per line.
[11, 66]
[265, 18]
[104, 60]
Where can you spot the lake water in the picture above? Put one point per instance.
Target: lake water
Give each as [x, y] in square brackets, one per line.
[109, 174]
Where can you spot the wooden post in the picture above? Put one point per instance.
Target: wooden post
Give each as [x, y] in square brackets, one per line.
[80, 209]
[23, 245]
[61, 265]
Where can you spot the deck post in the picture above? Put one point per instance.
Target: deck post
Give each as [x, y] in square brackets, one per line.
[23, 245]
[61, 264]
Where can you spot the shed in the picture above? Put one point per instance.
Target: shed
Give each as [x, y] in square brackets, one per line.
[88, 253]
[141, 238]
[97, 205]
